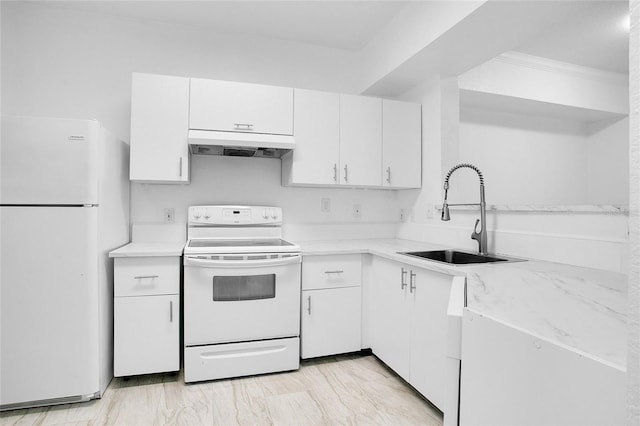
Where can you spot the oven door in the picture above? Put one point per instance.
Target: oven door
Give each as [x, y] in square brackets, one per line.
[236, 298]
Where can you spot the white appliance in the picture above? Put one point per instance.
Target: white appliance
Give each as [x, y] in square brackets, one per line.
[241, 293]
[64, 204]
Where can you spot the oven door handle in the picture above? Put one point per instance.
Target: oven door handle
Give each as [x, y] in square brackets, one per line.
[214, 263]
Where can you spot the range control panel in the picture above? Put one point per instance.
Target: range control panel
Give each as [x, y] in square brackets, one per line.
[235, 215]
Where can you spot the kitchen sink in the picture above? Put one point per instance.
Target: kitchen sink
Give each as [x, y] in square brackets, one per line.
[457, 257]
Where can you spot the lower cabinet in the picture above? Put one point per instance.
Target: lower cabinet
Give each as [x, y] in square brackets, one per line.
[330, 321]
[511, 377]
[390, 315]
[146, 332]
[408, 316]
[146, 315]
[331, 316]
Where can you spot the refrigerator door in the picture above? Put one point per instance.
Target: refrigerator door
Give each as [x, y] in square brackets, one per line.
[49, 305]
[48, 161]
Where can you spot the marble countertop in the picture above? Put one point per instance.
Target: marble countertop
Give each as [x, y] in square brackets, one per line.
[579, 308]
[148, 250]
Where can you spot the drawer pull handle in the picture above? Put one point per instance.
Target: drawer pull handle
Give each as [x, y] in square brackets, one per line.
[403, 281]
[142, 277]
[412, 281]
[337, 271]
[309, 304]
[170, 310]
[243, 126]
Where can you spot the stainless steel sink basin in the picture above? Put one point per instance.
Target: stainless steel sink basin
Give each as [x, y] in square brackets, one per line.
[457, 257]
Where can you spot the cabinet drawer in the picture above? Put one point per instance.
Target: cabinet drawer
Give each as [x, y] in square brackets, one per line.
[331, 271]
[240, 107]
[139, 276]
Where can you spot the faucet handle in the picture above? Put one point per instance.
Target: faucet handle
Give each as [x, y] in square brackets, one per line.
[475, 234]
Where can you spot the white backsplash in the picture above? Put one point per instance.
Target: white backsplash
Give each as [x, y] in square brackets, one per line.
[236, 180]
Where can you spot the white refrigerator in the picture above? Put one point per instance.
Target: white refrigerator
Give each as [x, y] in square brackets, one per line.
[64, 196]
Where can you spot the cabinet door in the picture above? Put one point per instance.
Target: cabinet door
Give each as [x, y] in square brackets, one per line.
[360, 140]
[331, 321]
[390, 316]
[146, 334]
[240, 107]
[317, 134]
[159, 129]
[401, 144]
[511, 377]
[429, 334]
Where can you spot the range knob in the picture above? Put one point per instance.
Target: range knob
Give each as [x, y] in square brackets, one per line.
[274, 214]
[197, 214]
[265, 214]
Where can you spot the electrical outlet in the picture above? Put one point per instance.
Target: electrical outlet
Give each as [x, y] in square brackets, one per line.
[403, 215]
[357, 210]
[430, 212]
[169, 215]
[325, 205]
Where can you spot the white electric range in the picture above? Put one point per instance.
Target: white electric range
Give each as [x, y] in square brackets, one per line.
[241, 293]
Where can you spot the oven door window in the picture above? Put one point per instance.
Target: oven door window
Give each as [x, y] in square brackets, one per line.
[249, 287]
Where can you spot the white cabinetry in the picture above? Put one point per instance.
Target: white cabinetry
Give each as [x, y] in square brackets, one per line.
[315, 160]
[240, 107]
[408, 319]
[159, 129]
[511, 377]
[352, 140]
[390, 315]
[401, 144]
[146, 315]
[331, 305]
[360, 140]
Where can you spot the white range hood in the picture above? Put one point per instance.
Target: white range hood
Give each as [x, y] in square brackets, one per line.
[240, 144]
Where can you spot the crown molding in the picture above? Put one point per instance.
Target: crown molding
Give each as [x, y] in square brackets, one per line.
[558, 67]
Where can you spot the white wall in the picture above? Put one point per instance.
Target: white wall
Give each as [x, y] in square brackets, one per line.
[69, 63]
[544, 161]
[237, 180]
[525, 159]
[66, 63]
[608, 162]
[596, 240]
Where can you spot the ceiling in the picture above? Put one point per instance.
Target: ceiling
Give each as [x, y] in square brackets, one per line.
[347, 25]
[596, 36]
[593, 37]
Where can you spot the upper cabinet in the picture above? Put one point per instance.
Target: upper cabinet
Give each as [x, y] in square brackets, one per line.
[360, 140]
[401, 144]
[350, 140]
[240, 107]
[340, 140]
[159, 128]
[315, 160]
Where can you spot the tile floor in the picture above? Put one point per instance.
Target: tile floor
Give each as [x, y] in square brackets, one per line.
[349, 389]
